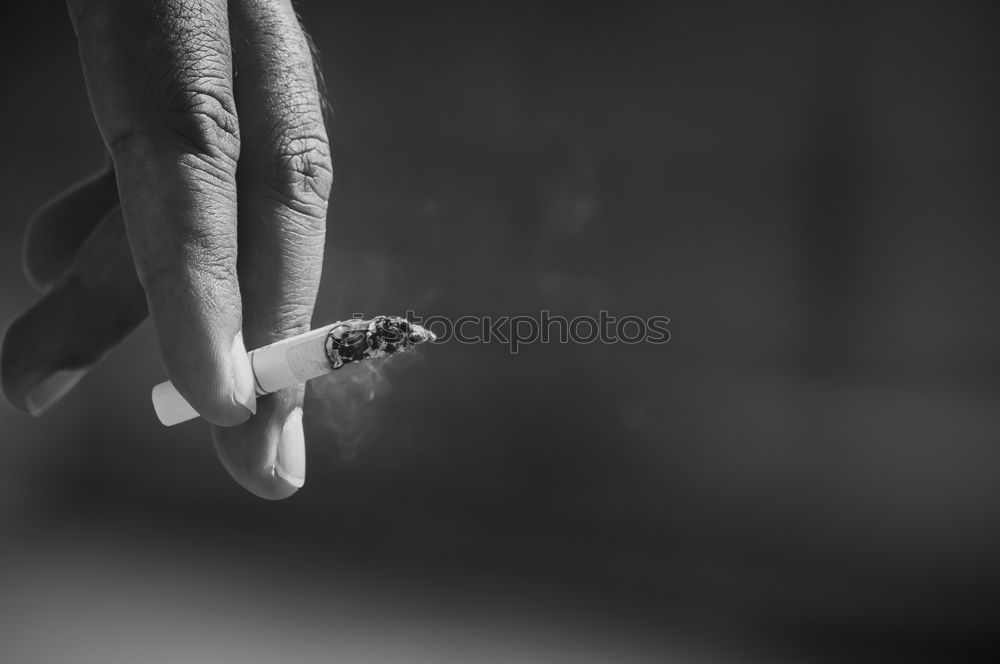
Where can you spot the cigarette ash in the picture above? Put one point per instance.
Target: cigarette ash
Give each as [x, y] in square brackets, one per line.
[349, 396]
[382, 336]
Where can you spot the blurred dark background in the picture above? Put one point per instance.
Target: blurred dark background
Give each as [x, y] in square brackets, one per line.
[807, 470]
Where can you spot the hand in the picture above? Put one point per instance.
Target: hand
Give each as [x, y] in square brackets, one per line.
[213, 118]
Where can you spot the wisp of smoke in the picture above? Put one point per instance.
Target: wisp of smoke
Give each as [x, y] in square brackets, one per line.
[348, 400]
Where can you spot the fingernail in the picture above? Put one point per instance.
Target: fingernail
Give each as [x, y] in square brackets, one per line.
[290, 462]
[51, 390]
[243, 388]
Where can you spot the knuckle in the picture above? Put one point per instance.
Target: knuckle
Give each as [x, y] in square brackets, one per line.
[300, 174]
[197, 118]
[202, 120]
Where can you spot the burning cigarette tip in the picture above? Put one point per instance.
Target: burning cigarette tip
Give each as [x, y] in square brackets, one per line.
[356, 340]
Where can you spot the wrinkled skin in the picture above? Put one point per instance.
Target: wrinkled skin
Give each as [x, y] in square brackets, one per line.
[210, 218]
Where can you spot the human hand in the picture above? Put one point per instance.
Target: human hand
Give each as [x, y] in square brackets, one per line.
[212, 114]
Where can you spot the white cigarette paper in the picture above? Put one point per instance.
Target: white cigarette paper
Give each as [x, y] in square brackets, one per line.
[295, 360]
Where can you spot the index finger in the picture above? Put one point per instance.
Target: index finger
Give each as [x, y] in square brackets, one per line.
[159, 75]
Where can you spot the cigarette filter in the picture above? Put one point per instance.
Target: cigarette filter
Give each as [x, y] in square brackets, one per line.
[297, 359]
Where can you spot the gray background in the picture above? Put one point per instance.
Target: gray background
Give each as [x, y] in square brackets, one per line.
[808, 467]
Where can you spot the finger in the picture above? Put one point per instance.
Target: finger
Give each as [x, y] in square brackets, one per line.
[285, 178]
[60, 226]
[266, 454]
[54, 344]
[159, 75]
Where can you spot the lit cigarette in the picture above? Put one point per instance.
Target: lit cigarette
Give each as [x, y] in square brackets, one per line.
[295, 360]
